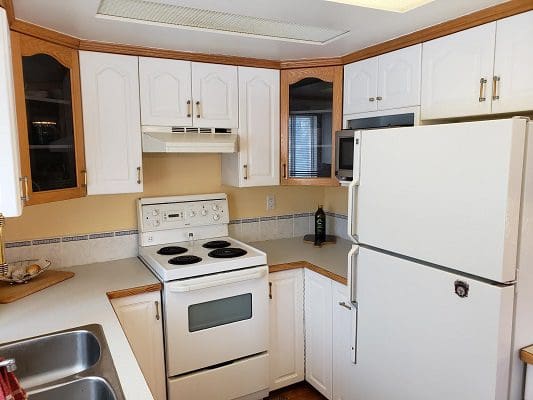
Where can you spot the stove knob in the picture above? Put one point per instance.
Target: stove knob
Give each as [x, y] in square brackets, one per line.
[155, 213]
[204, 212]
[215, 207]
[192, 214]
[216, 217]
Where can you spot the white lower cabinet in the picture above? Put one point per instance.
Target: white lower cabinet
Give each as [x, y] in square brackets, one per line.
[286, 328]
[318, 332]
[141, 319]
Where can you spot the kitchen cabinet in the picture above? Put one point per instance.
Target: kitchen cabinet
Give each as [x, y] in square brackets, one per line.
[318, 332]
[10, 194]
[512, 80]
[257, 162]
[188, 94]
[286, 328]
[49, 119]
[310, 113]
[343, 369]
[389, 81]
[140, 318]
[111, 116]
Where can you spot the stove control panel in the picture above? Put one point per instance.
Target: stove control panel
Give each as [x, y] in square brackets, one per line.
[185, 214]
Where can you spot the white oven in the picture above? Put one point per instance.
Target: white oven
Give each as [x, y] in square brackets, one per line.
[214, 320]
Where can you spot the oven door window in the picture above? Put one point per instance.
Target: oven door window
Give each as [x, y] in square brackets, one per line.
[220, 312]
[346, 153]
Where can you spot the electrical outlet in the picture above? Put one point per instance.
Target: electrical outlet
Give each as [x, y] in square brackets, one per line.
[271, 202]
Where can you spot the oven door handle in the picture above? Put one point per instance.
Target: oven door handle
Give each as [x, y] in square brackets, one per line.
[209, 281]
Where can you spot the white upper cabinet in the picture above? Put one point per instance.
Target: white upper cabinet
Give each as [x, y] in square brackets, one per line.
[165, 89]
[399, 78]
[389, 81]
[513, 77]
[10, 193]
[111, 120]
[215, 95]
[457, 73]
[360, 86]
[257, 163]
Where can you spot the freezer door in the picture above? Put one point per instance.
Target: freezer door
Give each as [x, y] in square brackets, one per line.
[417, 339]
[446, 194]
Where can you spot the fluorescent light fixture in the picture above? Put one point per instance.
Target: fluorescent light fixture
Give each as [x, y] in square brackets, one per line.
[170, 15]
[399, 6]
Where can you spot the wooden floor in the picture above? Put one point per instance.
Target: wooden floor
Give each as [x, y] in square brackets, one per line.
[299, 391]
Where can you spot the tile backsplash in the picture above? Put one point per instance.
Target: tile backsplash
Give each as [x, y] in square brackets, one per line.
[106, 246]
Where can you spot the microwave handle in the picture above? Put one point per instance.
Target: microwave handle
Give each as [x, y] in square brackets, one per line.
[210, 281]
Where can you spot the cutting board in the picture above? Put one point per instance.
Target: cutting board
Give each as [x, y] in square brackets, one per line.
[10, 293]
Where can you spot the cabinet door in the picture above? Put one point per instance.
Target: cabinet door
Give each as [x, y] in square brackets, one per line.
[140, 317]
[259, 126]
[360, 86]
[286, 328]
[318, 334]
[10, 195]
[215, 96]
[343, 313]
[165, 88]
[513, 80]
[110, 86]
[457, 73]
[399, 78]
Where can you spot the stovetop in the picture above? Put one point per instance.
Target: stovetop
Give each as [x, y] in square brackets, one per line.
[215, 257]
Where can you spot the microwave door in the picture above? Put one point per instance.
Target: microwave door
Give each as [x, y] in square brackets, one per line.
[354, 186]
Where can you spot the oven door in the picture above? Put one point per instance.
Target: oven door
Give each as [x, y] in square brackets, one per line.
[214, 319]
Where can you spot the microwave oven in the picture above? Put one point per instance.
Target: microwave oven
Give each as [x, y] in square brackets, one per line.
[344, 140]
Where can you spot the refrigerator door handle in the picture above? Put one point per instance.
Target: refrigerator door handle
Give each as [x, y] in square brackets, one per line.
[352, 189]
[355, 324]
[352, 273]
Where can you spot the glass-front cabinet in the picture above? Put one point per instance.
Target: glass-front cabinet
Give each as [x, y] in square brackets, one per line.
[311, 112]
[47, 86]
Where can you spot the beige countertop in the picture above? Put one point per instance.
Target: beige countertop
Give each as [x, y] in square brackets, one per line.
[83, 300]
[330, 260]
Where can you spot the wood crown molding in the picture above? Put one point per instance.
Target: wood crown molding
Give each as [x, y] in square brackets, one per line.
[49, 35]
[311, 63]
[472, 20]
[10, 11]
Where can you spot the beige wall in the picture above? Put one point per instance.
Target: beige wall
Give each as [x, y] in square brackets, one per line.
[336, 199]
[164, 174]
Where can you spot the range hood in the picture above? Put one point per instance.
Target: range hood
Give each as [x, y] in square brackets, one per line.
[188, 140]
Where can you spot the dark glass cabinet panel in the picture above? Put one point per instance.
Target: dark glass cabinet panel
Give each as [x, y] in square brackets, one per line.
[47, 90]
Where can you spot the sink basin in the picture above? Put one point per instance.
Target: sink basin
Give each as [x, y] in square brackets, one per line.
[90, 388]
[52, 357]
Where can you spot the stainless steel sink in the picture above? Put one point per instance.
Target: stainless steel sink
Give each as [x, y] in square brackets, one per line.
[90, 388]
[70, 364]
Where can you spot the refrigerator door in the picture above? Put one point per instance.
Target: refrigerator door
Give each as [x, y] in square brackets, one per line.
[446, 194]
[417, 339]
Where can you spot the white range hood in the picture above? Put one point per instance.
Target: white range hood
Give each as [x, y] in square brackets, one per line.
[188, 140]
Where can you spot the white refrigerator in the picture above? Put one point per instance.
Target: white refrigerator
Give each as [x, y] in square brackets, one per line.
[441, 271]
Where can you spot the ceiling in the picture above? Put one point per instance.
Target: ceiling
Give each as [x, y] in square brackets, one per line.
[366, 26]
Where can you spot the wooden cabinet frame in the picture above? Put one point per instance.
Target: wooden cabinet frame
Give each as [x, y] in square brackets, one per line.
[23, 45]
[288, 77]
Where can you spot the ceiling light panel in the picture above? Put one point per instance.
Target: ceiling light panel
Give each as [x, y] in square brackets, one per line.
[154, 13]
[400, 6]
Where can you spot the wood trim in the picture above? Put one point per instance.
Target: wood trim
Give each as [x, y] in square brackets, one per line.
[10, 11]
[117, 294]
[526, 355]
[311, 63]
[288, 77]
[89, 45]
[49, 35]
[474, 19]
[304, 264]
[3, 4]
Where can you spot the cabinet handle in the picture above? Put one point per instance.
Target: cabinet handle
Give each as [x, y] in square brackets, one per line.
[139, 175]
[343, 304]
[371, 99]
[245, 168]
[495, 87]
[270, 290]
[157, 311]
[84, 172]
[284, 166]
[379, 98]
[482, 87]
[25, 192]
[198, 110]
[189, 108]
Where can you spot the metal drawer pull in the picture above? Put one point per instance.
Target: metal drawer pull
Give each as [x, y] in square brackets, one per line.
[245, 167]
[189, 108]
[371, 99]
[139, 175]
[157, 310]
[284, 171]
[26, 194]
[270, 290]
[198, 110]
[343, 304]
[379, 98]
[482, 87]
[495, 87]
[84, 172]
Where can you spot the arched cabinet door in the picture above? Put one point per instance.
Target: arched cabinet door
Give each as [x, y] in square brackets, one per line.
[49, 119]
[361, 86]
[111, 116]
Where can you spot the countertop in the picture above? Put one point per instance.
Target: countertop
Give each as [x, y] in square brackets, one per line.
[330, 260]
[83, 300]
